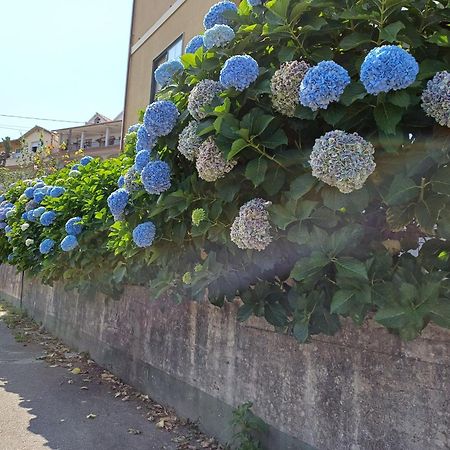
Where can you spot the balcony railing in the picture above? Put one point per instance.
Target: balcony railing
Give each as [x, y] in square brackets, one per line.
[93, 144]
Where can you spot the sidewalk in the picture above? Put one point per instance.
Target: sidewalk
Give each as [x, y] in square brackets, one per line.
[42, 407]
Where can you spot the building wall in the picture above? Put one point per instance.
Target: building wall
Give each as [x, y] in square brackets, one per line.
[363, 389]
[187, 20]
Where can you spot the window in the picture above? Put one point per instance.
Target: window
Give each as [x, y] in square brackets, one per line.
[174, 51]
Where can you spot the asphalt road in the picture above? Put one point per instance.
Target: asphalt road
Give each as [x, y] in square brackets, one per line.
[40, 410]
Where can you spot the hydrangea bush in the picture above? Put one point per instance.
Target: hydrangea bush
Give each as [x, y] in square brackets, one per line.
[301, 169]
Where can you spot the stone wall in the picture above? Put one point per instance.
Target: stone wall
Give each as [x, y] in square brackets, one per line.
[361, 390]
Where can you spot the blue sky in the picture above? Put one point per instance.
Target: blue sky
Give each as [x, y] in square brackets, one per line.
[62, 59]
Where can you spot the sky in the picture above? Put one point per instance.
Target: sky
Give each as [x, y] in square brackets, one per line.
[61, 59]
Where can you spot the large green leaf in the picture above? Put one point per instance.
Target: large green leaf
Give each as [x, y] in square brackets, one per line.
[256, 170]
[440, 181]
[389, 32]
[387, 117]
[401, 190]
[309, 267]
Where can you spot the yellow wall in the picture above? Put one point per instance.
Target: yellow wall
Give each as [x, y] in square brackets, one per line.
[187, 20]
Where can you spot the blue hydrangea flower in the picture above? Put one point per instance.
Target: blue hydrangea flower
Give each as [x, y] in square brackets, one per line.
[30, 216]
[8, 229]
[10, 257]
[38, 212]
[156, 177]
[75, 167]
[29, 192]
[74, 226]
[322, 85]
[69, 243]
[255, 2]
[48, 218]
[194, 44]
[239, 72]
[165, 72]
[218, 36]
[56, 191]
[141, 160]
[46, 246]
[10, 212]
[39, 195]
[160, 118]
[144, 234]
[2, 198]
[39, 184]
[25, 216]
[215, 14]
[85, 160]
[117, 202]
[388, 68]
[121, 181]
[144, 140]
[3, 225]
[134, 128]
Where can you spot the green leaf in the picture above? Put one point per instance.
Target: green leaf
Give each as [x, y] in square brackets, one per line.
[260, 123]
[245, 311]
[301, 185]
[275, 314]
[401, 190]
[355, 40]
[274, 140]
[301, 331]
[399, 98]
[392, 317]
[256, 170]
[429, 68]
[342, 301]
[387, 117]
[351, 268]
[440, 313]
[354, 91]
[440, 181]
[389, 33]
[236, 147]
[309, 267]
[281, 216]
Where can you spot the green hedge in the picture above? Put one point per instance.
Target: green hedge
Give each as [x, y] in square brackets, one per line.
[382, 249]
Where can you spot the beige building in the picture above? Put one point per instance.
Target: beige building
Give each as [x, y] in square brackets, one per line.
[99, 137]
[33, 140]
[160, 30]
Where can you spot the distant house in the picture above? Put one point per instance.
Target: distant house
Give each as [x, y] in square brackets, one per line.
[99, 137]
[33, 140]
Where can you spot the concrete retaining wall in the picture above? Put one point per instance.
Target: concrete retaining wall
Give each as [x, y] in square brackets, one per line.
[360, 390]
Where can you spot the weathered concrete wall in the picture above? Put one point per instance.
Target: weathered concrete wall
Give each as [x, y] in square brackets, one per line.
[361, 390]
[10, 285]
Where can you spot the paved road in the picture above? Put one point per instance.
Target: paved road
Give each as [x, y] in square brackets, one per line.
[40, 410]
